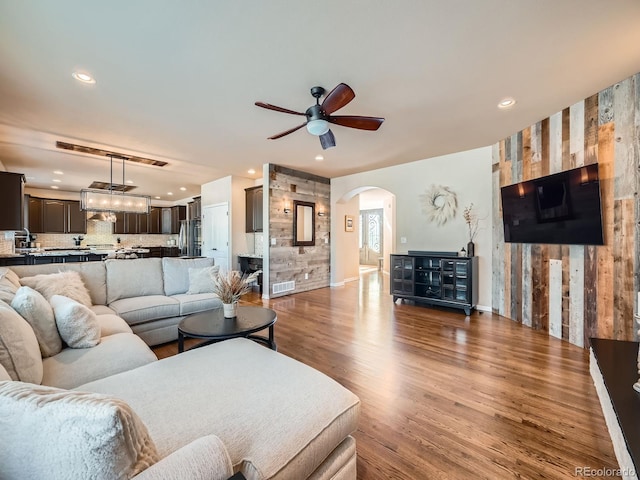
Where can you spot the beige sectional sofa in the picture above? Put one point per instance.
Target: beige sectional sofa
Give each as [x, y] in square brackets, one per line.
[115, 411]
[150, 294]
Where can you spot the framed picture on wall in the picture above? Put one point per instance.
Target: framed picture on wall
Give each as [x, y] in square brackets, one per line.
[348, 223]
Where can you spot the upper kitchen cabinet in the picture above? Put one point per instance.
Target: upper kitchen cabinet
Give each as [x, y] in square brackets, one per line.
[170, 219]
[253, 209]
[34, 217]
[58, 216]
[11, 201]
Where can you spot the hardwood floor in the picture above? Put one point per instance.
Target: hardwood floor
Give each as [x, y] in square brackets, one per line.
[444, 396]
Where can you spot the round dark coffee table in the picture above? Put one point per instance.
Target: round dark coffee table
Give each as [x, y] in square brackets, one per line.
[213, 327]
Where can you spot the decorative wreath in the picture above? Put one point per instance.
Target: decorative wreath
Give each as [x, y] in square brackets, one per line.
[439, 204]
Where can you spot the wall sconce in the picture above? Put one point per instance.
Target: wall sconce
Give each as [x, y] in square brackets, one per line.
[287, 207]
[321, 212]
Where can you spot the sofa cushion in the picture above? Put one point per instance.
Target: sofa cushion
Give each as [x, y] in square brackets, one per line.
[35, 309]
[110, 324]
[68, 284]
[201, 279]
[19, 349]
[114, 354]
[4, 375]
[76, 323]
[94, 276]
[8, 285]
[133, 278]
[102, 310]
[143, 309]
[197, 303]
[72, 434]
[176, 272]
[203, 459]
[299, 413]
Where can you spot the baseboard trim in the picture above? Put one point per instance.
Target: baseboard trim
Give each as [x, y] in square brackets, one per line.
[483, 308]
[337, 284]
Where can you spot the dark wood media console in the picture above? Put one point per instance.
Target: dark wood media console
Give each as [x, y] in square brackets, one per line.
[435, 278]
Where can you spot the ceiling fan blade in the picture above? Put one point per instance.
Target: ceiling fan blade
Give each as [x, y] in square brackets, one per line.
[354, 121]
[268, 106]
[287, 132]
[337, 98]
[327, 140]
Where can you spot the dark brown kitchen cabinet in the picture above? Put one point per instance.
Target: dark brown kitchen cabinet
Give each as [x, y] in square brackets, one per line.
[165, 221]
[153, 220]
[11, 201]
[253, 209]
[75, 219]
[34, 215]
[178, 213]
[53, 213]
[48, 215]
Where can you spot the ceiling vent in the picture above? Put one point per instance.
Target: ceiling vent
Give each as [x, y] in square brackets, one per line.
[107, 153]
[116, 187]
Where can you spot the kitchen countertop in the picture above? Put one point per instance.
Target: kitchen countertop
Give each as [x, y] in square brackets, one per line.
[250, 255]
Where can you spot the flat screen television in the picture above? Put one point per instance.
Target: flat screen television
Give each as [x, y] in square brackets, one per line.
[561, 208]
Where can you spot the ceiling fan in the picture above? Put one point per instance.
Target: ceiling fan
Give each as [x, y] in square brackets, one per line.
[319, 116]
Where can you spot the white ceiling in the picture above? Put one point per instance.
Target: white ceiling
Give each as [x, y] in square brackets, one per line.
[177, 81]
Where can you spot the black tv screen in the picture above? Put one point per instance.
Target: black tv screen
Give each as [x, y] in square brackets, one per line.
[560, 208]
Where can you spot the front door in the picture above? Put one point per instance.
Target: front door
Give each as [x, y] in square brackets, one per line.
[216, 234]
[370, 236]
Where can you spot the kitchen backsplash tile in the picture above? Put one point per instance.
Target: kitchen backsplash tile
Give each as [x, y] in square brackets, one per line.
[99, 233]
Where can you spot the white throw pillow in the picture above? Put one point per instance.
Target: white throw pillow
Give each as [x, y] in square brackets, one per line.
[19, 350]
[77, 324]
[201, 279]
[35, 309]
[68, 284]
[71, 434]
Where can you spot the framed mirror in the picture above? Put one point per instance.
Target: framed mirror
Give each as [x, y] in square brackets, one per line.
[304, 228]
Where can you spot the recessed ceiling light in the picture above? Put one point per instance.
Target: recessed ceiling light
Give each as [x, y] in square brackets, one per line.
[183, 189]
[55, 187]
[251, 171]
[169, 193]
[157, 198]
[58, 172]
[56, 180]
[506, 103]
[130, 182]
[319, 158]
[83, 77]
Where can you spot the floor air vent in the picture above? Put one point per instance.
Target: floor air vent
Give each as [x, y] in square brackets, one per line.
[284, 287]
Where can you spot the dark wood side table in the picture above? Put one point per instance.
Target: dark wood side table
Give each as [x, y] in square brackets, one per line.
[213, 327]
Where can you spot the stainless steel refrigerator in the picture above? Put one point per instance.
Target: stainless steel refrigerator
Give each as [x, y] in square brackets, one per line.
[190, 238]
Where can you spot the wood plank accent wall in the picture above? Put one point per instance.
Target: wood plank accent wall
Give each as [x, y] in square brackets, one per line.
[287, 262]
[573, 291]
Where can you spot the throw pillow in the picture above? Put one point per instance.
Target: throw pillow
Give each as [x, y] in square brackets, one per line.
[35, 309]
[201, 279]
[75, 434]
[77, 324]
[68, 284]
[19, 350]
[9, 284]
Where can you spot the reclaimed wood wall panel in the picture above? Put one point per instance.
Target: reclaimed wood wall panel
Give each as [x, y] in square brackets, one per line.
[578, 291]
[293, 263]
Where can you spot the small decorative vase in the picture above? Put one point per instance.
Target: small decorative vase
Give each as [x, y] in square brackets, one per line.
[470, 249]
[230, 309]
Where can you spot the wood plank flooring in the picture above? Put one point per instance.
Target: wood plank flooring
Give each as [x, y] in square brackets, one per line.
[444, 396]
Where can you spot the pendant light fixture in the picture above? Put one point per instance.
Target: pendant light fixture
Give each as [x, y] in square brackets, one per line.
[104, 204]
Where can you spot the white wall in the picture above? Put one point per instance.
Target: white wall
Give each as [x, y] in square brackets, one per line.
[468, 174]
[229, 190]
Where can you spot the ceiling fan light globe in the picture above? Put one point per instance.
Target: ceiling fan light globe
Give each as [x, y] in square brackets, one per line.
[317, 127]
